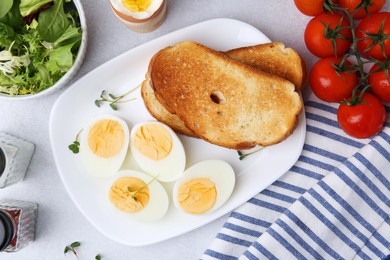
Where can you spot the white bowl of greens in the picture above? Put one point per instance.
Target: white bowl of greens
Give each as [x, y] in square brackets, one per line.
[42, 46]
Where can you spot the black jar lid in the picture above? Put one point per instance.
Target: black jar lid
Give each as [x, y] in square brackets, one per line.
[8, 228]
[2, 161]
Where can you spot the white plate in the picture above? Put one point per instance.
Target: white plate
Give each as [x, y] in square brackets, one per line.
[127, 71]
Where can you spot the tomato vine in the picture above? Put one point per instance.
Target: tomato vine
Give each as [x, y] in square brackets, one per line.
[369, 46]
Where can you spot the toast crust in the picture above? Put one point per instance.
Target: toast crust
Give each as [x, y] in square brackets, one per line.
[221, 100]
[273, 58]
[159, 112]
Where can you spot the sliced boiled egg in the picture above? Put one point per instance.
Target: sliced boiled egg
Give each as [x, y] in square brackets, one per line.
[135, 9]
[138, 195]
[204, 187]
[158, 150]
[104, 144]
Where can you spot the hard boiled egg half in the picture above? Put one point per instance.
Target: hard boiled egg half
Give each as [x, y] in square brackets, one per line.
[138, 195]
[204, 187]
[158, 150]
[104, 144]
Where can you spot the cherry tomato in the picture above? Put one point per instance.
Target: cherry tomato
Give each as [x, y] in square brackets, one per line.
[329, 85]
[364, 119]
[319, 40]
[372, 6]
[372, 25]
[311, 7]
[380, 84]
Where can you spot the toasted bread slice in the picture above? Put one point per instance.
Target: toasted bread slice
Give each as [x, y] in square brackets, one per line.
[273, 58]
[221, 100]
[269, 51]
[159, 112]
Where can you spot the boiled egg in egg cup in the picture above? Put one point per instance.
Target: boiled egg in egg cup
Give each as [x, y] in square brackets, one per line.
[140, 15]
[158, 150]
[138, 196]
[204, 187]
[104, 144]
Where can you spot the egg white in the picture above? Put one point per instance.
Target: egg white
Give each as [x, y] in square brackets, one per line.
[168, 169]
[98, 166]
[218, 171]
[118, 5]
[158, 203]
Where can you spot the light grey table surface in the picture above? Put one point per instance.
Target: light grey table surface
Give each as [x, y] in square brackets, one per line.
[59, 221]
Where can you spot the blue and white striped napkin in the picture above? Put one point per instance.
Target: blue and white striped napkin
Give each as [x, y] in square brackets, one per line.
[334, 203]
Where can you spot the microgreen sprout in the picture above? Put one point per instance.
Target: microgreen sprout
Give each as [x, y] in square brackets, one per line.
[141, 188]
[133, 196]
[75, 146]
[114, 100]
[242, 155]
[72, 248]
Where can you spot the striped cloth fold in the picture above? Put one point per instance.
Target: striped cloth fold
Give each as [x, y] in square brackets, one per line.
[334, 203]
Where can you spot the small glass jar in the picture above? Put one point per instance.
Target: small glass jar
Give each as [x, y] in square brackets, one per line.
[17, 224]
[15, 156]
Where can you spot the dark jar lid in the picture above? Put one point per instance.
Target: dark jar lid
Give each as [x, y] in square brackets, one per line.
[8, 229]
[2, 161]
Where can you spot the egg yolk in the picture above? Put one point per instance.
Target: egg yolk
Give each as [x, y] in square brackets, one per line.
[106, 138]
[197, 196]
[153, 141]
[129, 194]
[137, 5]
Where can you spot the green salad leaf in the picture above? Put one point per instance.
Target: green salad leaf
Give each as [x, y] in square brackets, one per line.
[28, 7]
[5, 6]
[53, 22]
[61, 59]
[13, 17]
[70, 36]
[7, 35]
[35, 56]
